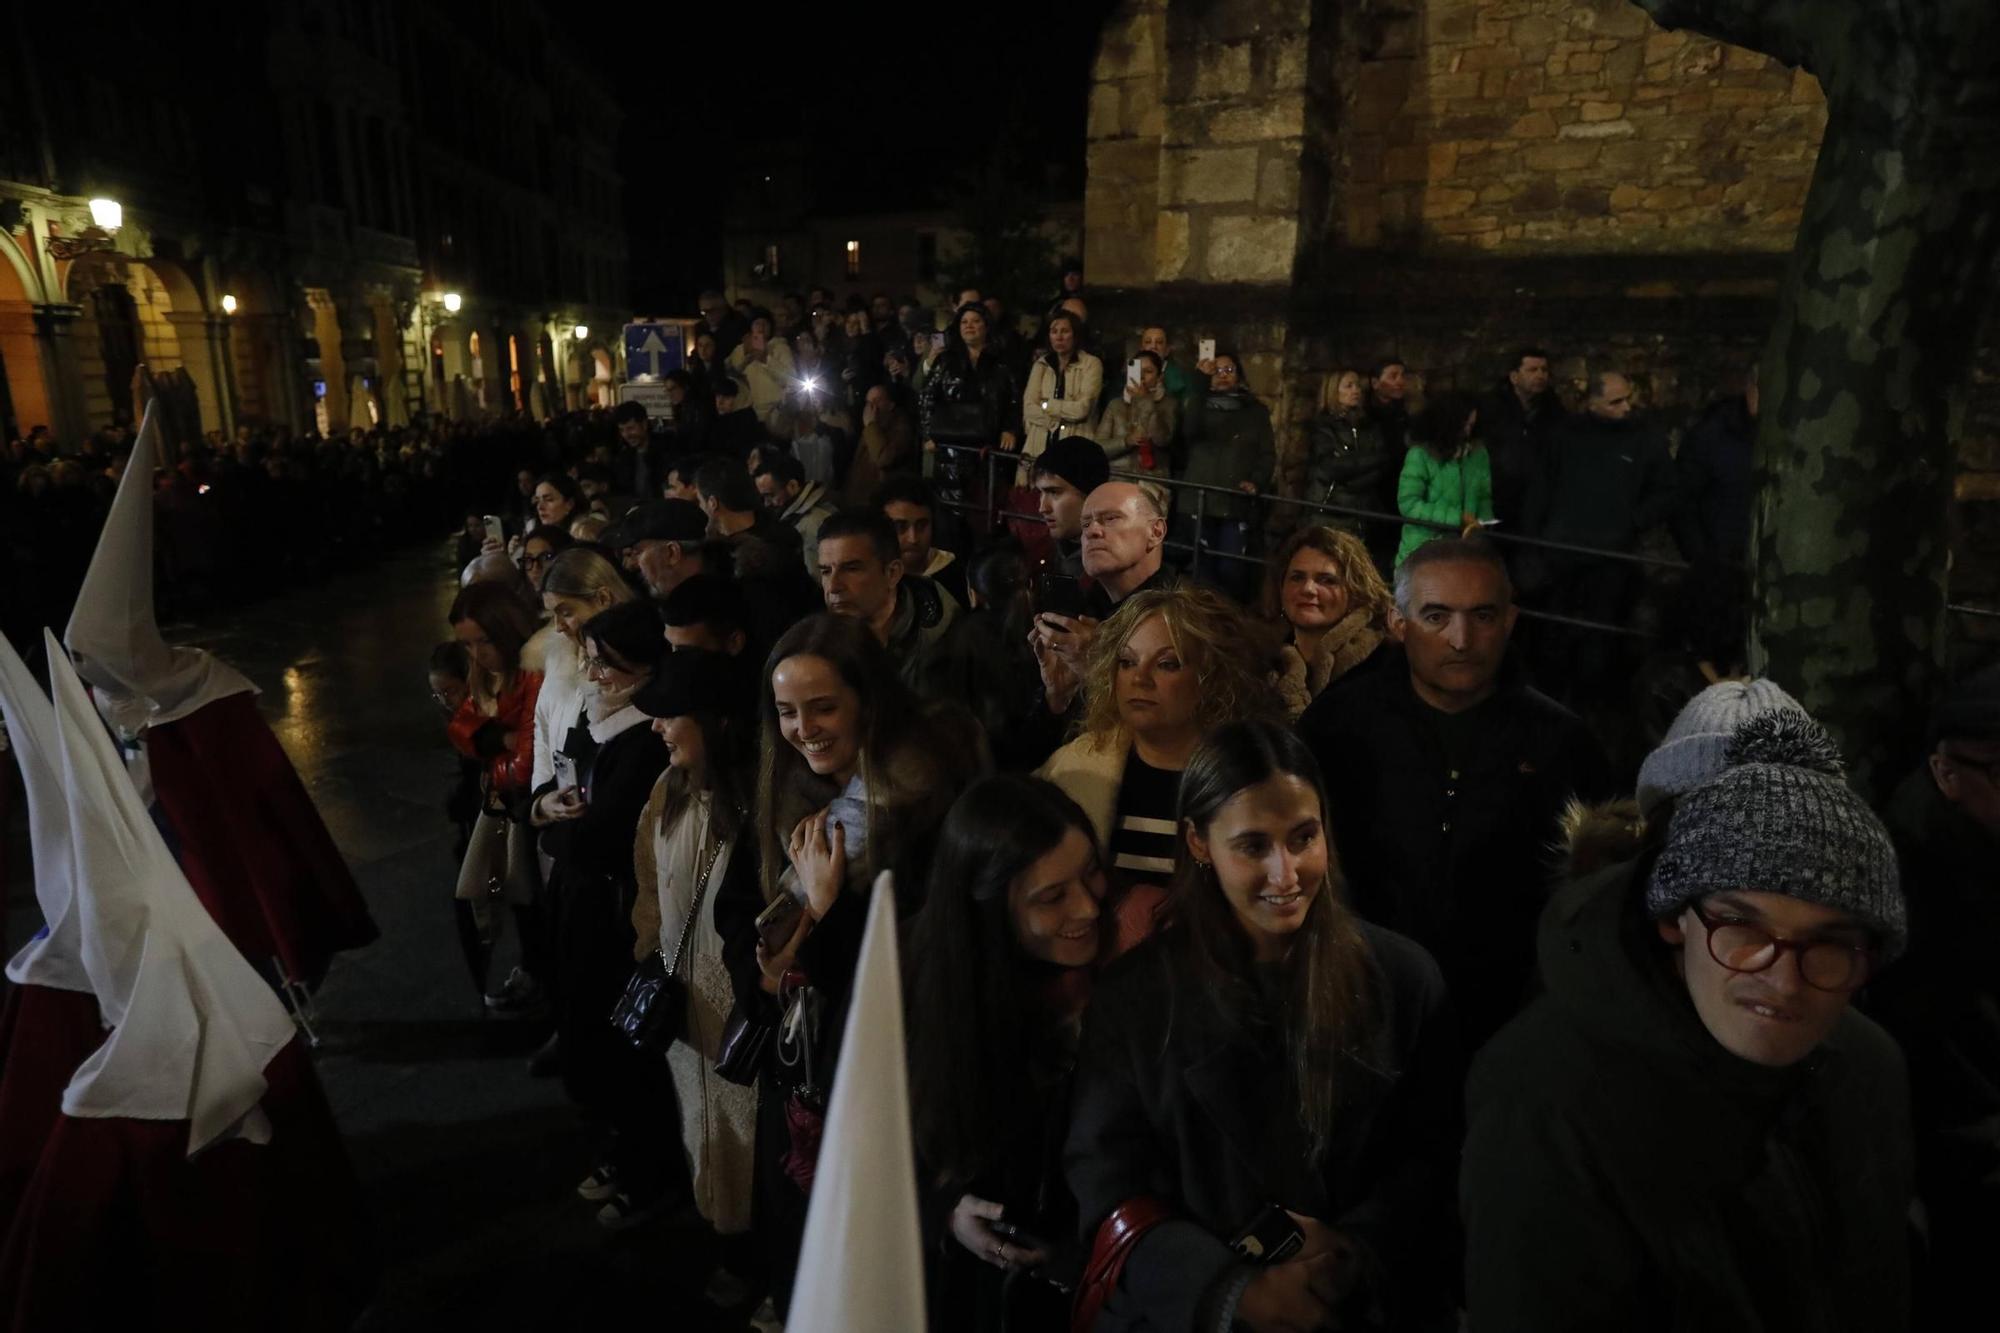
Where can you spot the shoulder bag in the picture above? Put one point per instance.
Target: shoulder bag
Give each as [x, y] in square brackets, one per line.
[652, 1013]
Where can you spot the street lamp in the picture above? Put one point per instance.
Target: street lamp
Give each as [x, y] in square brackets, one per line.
[581, 331]
[106, 216]
[452, 301]
[228, 304]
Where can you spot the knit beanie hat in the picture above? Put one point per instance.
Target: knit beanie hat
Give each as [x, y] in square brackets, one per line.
[1781, 820]
[1078, 461]
[1692, 752]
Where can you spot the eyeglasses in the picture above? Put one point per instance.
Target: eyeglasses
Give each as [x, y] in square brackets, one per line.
[1827, 965]
[541, 559]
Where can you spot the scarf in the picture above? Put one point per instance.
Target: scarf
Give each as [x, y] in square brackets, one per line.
[1344, 647]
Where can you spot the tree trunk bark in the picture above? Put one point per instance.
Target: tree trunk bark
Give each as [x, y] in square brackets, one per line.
[1866, 374]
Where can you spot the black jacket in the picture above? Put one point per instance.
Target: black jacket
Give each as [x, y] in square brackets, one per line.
[619, 777]
[991, 384]
[1348, 463]
[1176, 1101]
[1517, 440]
[1606, 482]
[1713, 468]
[1942, 1001]
[1458, 860]
[1623, 1171]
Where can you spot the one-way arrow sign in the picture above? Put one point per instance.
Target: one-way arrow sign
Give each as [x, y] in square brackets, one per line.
[652, 350]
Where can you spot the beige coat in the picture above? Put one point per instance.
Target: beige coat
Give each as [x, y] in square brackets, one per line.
[718, 1118]
[1071, 414]
[1090, 776]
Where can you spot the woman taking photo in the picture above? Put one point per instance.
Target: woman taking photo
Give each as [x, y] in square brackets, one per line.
[692, 840]
[1268, 1065]
[1170, 664]
[494, 724]
[999, 967]
[604, 772]
[1063, 384]
[854, 778]
[1322, 590]
[1447, 475]
[1138, 429]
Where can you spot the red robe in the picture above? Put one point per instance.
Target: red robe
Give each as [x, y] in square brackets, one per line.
[251, 842]
[120, 1229]
[45, 1033]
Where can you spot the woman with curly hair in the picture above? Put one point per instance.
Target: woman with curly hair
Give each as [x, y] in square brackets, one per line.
[1168, 666]
[1323, 592]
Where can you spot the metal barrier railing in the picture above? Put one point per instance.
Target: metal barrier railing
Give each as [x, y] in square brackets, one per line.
[1200, 548]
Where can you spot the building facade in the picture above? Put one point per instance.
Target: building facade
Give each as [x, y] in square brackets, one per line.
[299, 192]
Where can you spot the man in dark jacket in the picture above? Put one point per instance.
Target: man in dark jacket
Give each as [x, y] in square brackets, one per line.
[1943, 1001]
[1515, 420]
[1445, 777]
[1608, 479]
[735, 430]
[1692, 1129]
[1714, 475]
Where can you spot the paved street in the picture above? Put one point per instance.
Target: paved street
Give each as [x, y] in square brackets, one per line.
[470, 1162]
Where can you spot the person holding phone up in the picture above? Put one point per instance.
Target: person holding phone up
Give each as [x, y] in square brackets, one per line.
[1138, 429]
[1267, 1092]
[1227, 435]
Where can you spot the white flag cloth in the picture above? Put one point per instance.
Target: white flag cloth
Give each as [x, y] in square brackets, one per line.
[192, 1026]
[54, 958]
[861, 1269]
[141, 680]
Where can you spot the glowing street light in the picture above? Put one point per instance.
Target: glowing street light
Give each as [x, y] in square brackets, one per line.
[107, 213]
[452, 301]
[582, 331]
[228, 304]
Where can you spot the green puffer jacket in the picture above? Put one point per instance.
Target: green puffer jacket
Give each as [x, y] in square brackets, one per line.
[1623, 1171]
[1442, 491]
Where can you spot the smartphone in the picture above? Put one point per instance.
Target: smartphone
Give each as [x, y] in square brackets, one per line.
[937, 342]
[1132, 371]
[1489, 522]
[565, 771]
[495, 532]
[777, 921]
[1206, 351]
[1271, 1238]
[1059, 593]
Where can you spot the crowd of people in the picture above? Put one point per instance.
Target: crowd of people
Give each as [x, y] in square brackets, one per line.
[1279, 956]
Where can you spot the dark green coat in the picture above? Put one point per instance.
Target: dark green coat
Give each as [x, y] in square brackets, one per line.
[1623, 1171]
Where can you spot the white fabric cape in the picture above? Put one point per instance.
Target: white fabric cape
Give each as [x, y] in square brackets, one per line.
[192, 1026]
[55, 957]
[141, 680]
[861, 1269]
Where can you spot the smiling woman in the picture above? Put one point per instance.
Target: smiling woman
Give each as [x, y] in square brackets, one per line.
[1267, 1050]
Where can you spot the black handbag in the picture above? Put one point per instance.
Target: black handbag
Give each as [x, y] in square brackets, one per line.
[652, 1013]
[745, 1041]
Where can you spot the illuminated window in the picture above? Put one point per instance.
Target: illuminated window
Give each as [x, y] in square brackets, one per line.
[771, 260]
[854, 259]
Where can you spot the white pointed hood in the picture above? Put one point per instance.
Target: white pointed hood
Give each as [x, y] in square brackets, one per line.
[141, 680]
[54, 957]
[861, 1268]
[192, 1025]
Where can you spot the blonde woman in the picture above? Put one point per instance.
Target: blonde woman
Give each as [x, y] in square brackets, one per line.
[1322, 592]
[1169, 665]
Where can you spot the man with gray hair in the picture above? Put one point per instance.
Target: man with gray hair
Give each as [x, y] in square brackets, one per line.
[1446, 775]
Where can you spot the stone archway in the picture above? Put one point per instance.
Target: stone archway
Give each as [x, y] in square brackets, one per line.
[23, 396]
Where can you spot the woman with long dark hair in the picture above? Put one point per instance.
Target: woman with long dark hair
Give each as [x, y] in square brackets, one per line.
[855, 777]
[970, 398]
[1267, 1064]
[1447, 473]
[999, 967]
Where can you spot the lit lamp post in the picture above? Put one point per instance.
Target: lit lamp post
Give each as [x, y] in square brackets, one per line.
[106, 217]
[228, 375]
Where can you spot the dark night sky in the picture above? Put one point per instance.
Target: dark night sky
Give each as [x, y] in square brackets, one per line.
[889, 103]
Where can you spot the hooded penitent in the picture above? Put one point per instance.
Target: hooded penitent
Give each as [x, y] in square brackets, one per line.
[193, 1172]
[49, 1022]
[242, 825]
[140, 679]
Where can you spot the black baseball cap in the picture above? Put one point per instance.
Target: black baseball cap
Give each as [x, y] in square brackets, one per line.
[658, 521]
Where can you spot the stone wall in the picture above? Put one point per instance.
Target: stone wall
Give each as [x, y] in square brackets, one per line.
[1526, 125]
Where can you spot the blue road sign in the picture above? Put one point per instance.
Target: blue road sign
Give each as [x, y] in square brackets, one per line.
[652, 350]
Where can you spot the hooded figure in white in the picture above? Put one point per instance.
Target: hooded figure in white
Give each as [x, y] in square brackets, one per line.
[192, 1025]
[140, 679]
[54, 957]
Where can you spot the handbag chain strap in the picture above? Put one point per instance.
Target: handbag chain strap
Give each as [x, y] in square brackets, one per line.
[694, 909]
